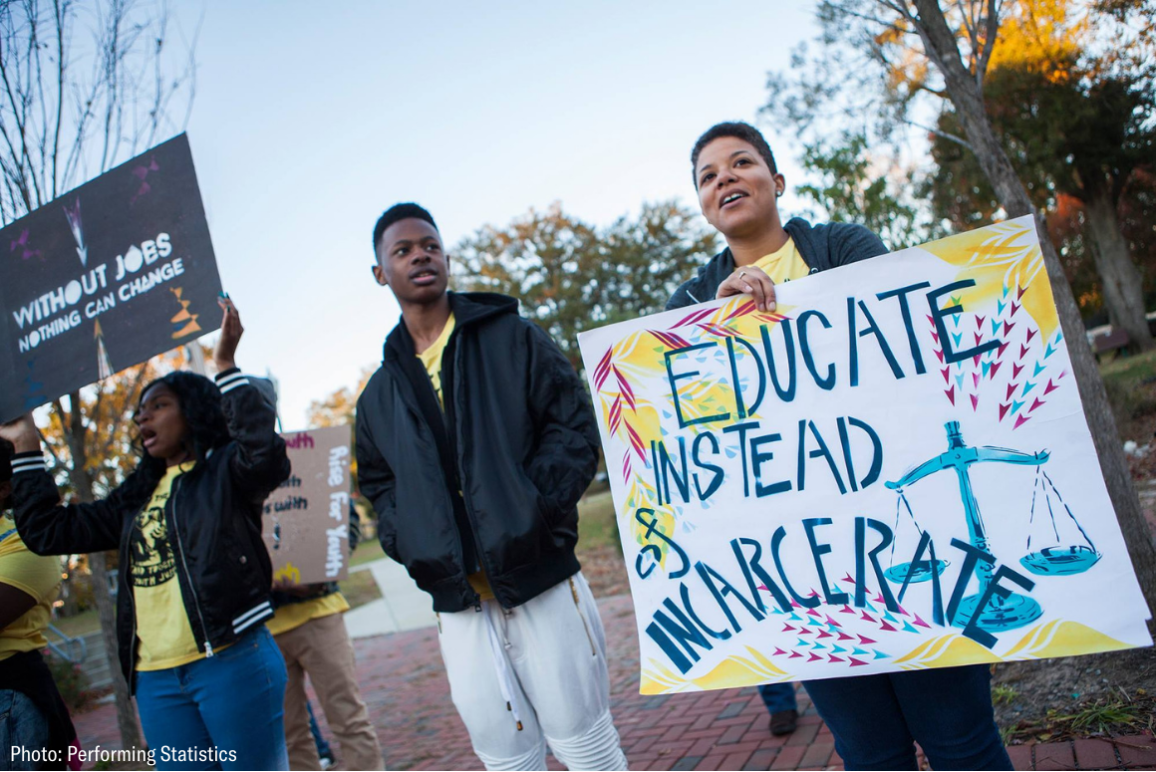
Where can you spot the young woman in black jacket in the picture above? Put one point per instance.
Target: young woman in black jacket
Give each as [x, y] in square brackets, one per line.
[876, 719]
[194, 577]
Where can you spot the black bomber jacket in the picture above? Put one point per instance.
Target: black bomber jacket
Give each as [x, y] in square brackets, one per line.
[494, 481]
[213, 518]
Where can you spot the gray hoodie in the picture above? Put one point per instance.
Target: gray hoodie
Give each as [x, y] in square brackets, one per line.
[825, 246]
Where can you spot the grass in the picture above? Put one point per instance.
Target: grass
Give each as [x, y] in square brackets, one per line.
[76, 626]
[1137, 366]
[1003, 694]
[1100, 716]
[1131, 385]
[1111, 716]
[360, 588]
[366, 552]
[596, 521]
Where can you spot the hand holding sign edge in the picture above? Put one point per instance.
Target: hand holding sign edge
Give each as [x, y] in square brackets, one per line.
[753, 281]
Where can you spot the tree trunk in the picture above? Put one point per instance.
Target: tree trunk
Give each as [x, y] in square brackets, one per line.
[78, 474]
[966, 95]
[1123, 290]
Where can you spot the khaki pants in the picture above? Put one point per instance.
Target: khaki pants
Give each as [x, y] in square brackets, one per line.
[321, 648]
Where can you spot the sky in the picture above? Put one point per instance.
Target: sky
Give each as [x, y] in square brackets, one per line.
[307, 125]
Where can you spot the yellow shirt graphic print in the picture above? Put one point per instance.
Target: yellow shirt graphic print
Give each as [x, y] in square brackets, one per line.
[163, 629]
[784, 264]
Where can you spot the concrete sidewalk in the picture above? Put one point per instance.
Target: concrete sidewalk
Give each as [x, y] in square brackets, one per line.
[401, 607]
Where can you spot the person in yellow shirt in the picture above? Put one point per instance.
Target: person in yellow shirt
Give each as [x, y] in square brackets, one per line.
[876, 719]
[195, 577]
[310, 631]
[35, 719]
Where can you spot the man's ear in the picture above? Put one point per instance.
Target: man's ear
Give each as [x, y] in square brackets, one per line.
[449, 264]
[780, 184]
[379, 275]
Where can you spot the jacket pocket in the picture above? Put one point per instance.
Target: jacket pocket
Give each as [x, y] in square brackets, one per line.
[387, 535]
[542, 506]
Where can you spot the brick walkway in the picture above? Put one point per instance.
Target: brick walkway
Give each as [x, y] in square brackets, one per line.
[404, 684]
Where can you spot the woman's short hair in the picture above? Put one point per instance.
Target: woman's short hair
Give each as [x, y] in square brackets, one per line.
[739, 130]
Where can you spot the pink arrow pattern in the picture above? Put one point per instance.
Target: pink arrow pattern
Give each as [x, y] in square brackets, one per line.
[1023, 365]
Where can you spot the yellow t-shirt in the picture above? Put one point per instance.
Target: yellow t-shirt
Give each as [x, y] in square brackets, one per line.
[294, 615]
[784, 264]
[431, 359]
[34, 575]
[166, 637]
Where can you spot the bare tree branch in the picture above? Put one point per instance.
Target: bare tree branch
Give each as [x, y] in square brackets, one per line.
[991, 32]
[940, 133]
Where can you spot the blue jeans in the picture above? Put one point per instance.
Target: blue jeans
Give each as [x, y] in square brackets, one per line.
[232, 702]
[23, 734]
[778, 697]
[876, 718]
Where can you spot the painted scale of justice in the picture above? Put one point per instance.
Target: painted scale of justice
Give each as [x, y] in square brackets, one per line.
[1058, 559]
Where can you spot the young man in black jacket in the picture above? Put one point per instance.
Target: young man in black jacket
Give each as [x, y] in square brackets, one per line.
[475, 440]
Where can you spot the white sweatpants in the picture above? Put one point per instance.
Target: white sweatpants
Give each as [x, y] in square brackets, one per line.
[546, 659]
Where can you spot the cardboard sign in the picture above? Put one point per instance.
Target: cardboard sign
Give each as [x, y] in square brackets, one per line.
[118, 270]
[306, 520]
[891, 471]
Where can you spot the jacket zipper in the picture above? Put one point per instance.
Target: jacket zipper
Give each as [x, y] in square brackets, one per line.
[417, 414]
[455, 380]
[578, 608]
[189, 576]
[132, 602]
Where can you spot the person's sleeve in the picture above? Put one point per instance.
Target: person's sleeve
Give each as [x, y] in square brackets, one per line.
[376, 480]
[259, 462]
[857, 243]
[30, 573]
[568, 442]
[48, 527]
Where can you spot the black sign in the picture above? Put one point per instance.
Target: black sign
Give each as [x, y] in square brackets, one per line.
[117, 271]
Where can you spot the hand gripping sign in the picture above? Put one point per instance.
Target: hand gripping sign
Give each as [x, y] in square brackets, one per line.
[114, 272]
[892, 471]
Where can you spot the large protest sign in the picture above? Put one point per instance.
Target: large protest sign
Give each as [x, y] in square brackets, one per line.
[892, 471]
[306, 520]
[118, 270]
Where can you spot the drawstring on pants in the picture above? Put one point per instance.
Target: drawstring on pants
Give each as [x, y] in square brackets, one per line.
[505, 676]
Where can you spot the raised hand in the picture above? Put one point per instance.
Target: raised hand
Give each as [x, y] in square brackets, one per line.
[231, 332]
[22, 433]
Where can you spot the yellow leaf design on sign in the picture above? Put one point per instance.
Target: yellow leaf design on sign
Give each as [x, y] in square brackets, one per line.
[1063, 639]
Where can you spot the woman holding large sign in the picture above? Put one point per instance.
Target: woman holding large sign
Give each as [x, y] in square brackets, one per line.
[194, 572]
[875, 719]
